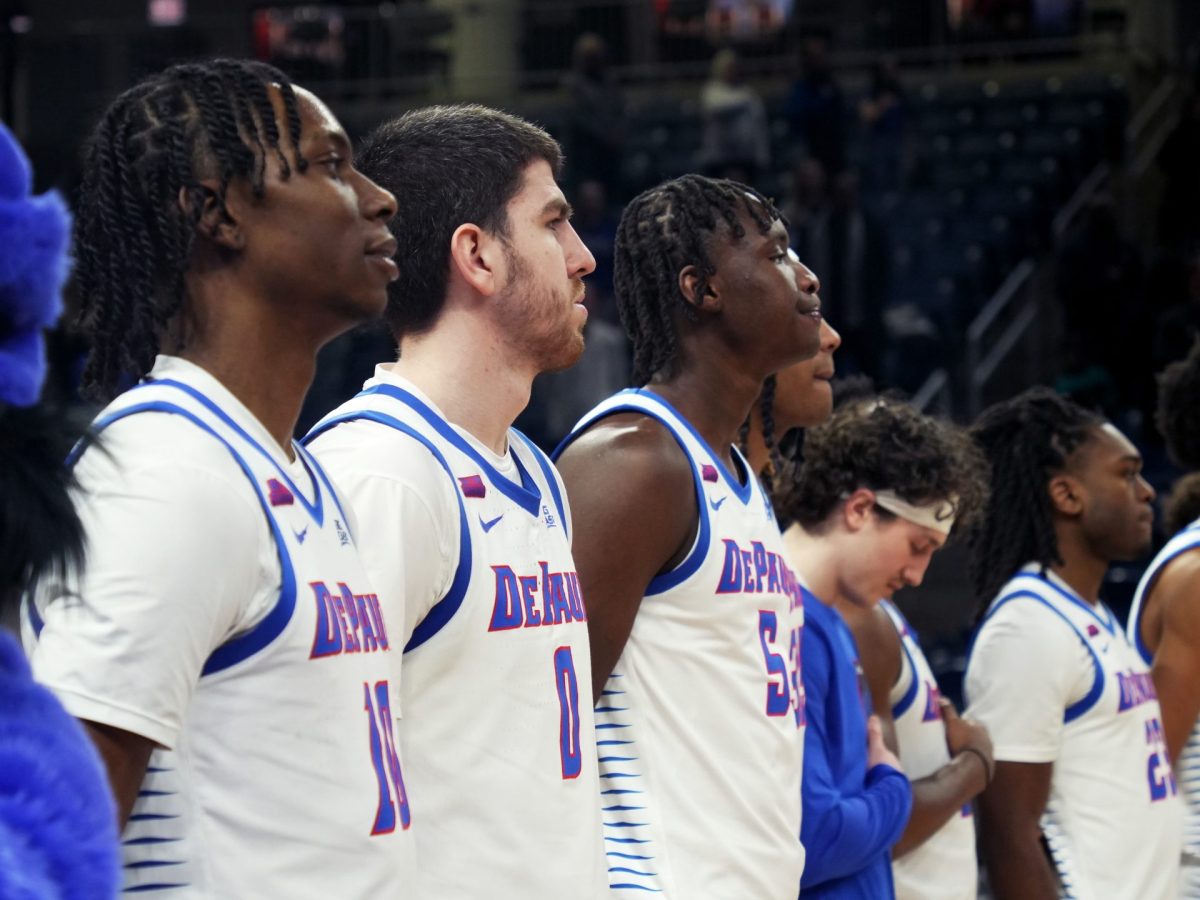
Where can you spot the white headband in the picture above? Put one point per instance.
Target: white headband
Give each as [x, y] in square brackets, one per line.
[937, 516]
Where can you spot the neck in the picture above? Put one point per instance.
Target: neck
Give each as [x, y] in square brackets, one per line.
[715, 400]
[1080, 568]
[464, 368]
[815, 561]
[265, 360]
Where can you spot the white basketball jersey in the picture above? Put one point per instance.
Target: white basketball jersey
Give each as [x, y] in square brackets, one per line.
[1114, 820]
[944, 867]
[497, 726]
[1187, 767]
[700, 726]
[285, 781]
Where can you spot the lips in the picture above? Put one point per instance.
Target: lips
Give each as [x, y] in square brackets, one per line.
[385, 246]
[810, 307]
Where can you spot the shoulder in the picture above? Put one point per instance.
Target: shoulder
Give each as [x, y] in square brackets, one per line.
[361, 451]
[642, 448]
[1176, 592]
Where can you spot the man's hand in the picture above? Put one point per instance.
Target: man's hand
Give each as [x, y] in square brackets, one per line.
[963, 734]
[877, 750]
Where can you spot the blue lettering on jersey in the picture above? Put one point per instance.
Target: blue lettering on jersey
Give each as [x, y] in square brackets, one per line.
[527, 601]
[757, 571]
[346, 622]
[1136, 688]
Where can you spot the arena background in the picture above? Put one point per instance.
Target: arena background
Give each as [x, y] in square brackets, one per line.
[995, 193]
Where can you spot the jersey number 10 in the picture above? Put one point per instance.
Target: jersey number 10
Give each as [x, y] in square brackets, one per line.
[386, 761]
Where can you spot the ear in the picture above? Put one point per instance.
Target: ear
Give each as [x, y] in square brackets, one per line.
[689, 286]
[476, 257]
[215, 218]
[858, 508]
[1066, 495]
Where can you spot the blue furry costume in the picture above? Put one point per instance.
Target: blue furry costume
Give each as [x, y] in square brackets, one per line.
[58, 821]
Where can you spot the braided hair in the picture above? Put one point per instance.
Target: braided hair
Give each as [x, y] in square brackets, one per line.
[133, 242]
[1026, 440]
[661, 231]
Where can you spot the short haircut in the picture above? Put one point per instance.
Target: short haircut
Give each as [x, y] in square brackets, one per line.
[884, 444]
[1182, 506]
[1178, 413]
[446, 165]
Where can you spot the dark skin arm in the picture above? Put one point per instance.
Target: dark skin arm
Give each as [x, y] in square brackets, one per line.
[633, 505]
[1009, 811]
[125, 756]
[1171, 629]
[941, 795]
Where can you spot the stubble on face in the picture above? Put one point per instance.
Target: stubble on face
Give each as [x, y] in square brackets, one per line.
[540, 321]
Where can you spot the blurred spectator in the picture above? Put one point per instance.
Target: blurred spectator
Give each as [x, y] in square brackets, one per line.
[736, 143]
[1179, 215]
[849, 250]
[1099, 276]
[597, 228]
[815, 107]
[884, 115]
[595, 127]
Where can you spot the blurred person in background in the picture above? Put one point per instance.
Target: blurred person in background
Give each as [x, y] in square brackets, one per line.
[735, 143]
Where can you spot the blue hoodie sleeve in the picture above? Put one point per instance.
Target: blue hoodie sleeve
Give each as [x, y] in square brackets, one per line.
[842, 832]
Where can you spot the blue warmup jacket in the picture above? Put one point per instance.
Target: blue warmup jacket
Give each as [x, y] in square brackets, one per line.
[852, 816]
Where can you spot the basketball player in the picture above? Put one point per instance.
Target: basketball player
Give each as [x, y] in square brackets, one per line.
[1081, 758]
[694, 618]
[222, 644]
[1164, 623]
[880, 488]
[465, 526]
[800, 396]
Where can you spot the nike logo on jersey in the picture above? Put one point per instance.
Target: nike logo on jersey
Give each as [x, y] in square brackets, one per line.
[716, 504]
[301, 534]
[488, 526]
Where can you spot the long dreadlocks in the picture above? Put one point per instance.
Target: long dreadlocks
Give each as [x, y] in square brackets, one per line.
[661, 231]
[133, 241]
[1027, 441]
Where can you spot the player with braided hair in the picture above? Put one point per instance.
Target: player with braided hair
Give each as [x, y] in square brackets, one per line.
[224, 236]
[693, 616]
[880, 490]
[1164, 622]
[1081, 759]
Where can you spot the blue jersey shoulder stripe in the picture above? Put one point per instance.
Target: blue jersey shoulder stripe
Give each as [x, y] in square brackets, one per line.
[526, 494]
[914, 686]
[551, 479]
[443, 611]
[1081, 706]
[315, 507]
[271, 626]
[1191, 542]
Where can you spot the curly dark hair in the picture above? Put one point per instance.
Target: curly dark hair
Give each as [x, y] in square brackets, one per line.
[133, 242]
[446, 165]
[1182, 506]
[661, 231]
[1026, 441]
[1178, 413]
[882, 443]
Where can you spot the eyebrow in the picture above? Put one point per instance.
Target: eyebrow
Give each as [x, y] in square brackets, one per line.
[337, 138]
[559, 206]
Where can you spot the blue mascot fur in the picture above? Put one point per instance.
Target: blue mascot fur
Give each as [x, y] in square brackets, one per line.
[58, 833]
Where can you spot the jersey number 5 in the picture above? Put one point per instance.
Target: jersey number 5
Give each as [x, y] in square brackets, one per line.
[779, 699]
[568, 705]
[386, 761]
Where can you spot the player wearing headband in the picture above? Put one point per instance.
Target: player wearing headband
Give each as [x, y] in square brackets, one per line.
[879, 491]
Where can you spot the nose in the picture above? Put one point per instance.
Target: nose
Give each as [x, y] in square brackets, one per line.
[580, 261]
[914, 572]
[830, 339]
[1146, 492]
[810, 283]
[376, 202]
